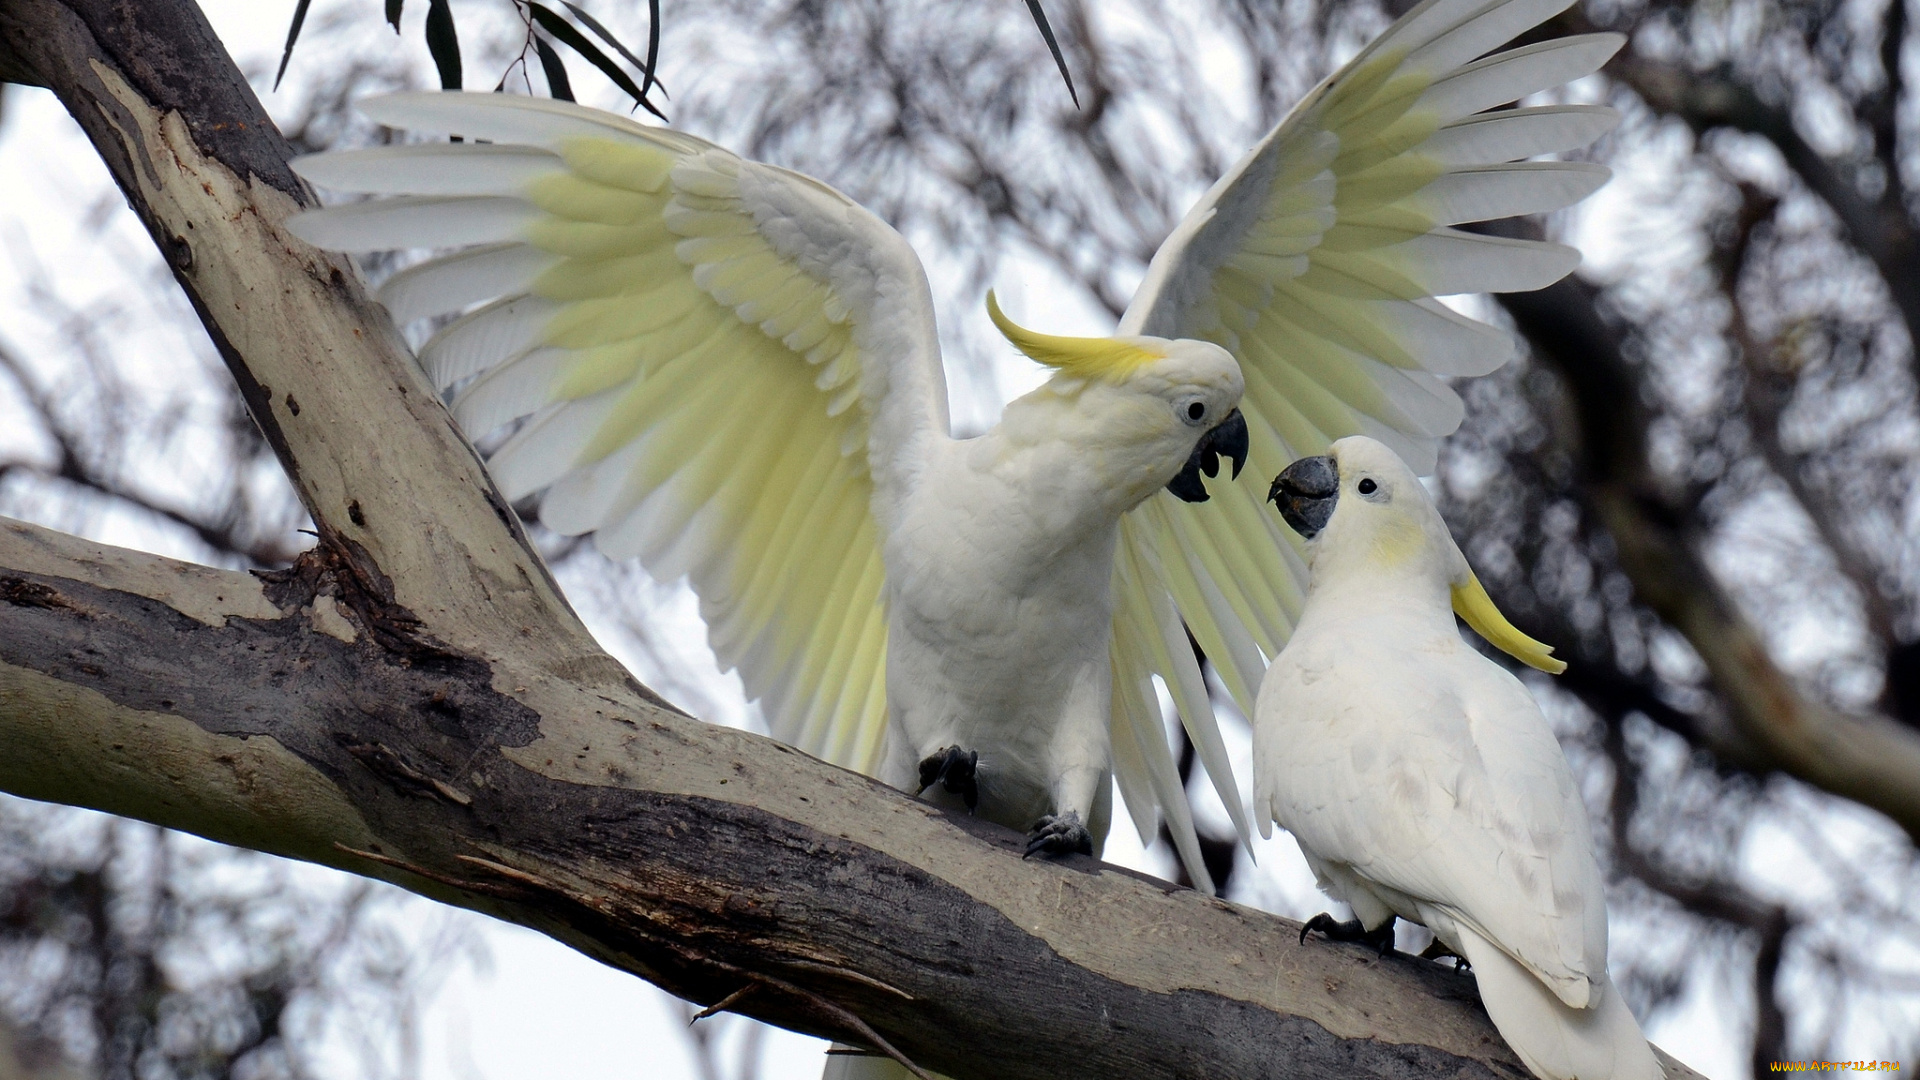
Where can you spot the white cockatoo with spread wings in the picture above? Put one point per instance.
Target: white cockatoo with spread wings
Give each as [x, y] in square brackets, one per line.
[732, 372]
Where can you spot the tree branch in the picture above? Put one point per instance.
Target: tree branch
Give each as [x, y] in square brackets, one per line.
[1719, 900]
[1866, 758]
[1766, 391]
[252, 711]
[1879, 228]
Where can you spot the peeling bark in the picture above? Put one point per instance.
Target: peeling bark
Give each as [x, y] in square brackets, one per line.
[413, 700]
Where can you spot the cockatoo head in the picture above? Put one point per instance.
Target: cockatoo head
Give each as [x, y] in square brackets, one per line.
[1368, 516]
[1163, 410]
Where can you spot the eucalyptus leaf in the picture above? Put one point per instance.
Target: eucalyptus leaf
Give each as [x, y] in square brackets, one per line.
[563, 31]
[653, 40]
[293, 35]
[1046, 31]
[556, 71]
[443, 43]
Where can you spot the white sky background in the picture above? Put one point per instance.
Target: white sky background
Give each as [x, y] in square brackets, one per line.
[537, 1008]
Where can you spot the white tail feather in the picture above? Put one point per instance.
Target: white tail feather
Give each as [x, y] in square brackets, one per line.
[1556, 1041]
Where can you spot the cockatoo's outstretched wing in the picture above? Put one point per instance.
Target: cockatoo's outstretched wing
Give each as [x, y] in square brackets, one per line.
[722, 362]
[1315, 261]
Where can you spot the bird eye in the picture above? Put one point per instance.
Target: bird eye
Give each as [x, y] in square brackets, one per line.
[1196, 410]
[1368, 487]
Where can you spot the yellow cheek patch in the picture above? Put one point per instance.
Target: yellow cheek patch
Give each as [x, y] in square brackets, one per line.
[1400, 541]
[1471, 602]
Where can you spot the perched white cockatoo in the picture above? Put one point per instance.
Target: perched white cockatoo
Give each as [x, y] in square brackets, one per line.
[732, 371]
[1421, 779]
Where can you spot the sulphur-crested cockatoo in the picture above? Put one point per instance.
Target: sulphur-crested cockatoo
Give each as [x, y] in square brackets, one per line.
[1421, 779]
[731, 371]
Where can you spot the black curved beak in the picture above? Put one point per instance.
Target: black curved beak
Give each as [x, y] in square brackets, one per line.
[1228, 437]
[1305, 493]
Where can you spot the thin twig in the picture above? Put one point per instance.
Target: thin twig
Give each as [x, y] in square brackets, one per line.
[723, 1004]
[484, 888]
[846, 973]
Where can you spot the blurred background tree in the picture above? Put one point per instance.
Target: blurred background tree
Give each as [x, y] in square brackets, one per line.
[131, 953]
[1700, 482]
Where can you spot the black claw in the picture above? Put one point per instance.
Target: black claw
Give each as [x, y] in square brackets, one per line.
[1059, 834]
[954, 769]
[1439, 951]
[1380, 937]
[1330, 926]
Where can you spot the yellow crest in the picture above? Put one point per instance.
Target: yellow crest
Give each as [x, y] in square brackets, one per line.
[1077, 357]
[1475, 606]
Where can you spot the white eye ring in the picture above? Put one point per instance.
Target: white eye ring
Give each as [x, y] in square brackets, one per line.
[1193, 410]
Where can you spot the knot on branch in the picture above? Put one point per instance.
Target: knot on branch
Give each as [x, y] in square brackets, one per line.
[341, 567]
[20, 592]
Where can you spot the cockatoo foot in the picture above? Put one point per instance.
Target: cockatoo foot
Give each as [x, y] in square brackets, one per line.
[954, 769]
[1380, 937]
[1059, 834]
[1438, 951]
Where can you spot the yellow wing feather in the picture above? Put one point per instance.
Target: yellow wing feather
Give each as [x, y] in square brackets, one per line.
[691, 379]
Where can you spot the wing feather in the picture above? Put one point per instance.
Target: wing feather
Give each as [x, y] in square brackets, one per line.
[725, 367]
[433, 169]
[1147, 766]
[482, 339]
[1493, 25]
[416, 221]
[454, 282]
[1512, 75]
[1513, 134]
[1484, 192]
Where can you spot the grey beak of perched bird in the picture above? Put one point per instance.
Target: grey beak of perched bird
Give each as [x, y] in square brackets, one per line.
[1305, 493]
